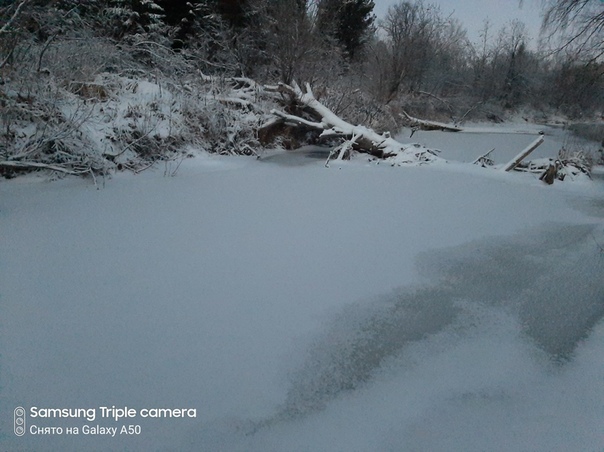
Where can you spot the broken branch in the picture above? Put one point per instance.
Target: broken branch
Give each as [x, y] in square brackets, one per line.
[525, 152]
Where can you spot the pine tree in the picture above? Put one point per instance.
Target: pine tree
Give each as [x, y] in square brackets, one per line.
[347, 21]
[134, 16]
[194, 17]
[177, 10]
[185, 18]
[234, 12]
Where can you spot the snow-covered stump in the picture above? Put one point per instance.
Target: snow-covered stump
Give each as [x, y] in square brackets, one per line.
[358, 138]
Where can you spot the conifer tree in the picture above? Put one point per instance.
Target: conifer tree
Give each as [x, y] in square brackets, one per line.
[134, 16]
[347, 21]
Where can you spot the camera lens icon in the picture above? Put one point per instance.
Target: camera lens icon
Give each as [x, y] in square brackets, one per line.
[19, 421]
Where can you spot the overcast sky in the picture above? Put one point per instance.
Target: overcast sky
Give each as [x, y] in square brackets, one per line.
[472, 13]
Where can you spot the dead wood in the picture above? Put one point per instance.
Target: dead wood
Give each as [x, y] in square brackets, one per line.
[523, 154]
[549, 175]
[484, 160]
[307, 112]
[422, 124]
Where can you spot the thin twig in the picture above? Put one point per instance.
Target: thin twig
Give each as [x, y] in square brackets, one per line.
[7, 25]
[8, 57]
[133, 143]
[44, 49]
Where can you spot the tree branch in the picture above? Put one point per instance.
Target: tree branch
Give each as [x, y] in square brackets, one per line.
[7, 25]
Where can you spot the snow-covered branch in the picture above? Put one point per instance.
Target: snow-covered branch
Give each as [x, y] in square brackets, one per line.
[422, 124]
[523, 154]
[298, 121]
[359, 138]
[38, 165]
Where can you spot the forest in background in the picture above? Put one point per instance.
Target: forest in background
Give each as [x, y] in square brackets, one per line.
[95, 86]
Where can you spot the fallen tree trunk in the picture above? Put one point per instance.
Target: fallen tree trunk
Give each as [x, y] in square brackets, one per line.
[422, 124]
[361, 139]
[525, 152]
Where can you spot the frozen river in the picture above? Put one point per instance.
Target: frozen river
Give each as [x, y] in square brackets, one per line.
[506, 141]
[466, 146]
[293, 307]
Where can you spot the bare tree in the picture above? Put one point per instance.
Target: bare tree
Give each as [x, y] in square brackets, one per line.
[411, 29]
[448, 69]
[482, 67]
[286, 33]
[513, 38]
[9, 36]
[578, 23]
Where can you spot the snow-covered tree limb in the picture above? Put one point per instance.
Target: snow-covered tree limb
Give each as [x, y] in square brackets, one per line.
[525, 152]
[298, 121]
[361, 138]
[422, 124]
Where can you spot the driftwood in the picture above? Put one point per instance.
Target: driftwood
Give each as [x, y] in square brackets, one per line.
[422, 124]
[525, 152]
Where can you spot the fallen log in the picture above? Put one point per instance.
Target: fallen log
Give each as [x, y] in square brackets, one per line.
[520, 157]
[422, 124]
[362, 139]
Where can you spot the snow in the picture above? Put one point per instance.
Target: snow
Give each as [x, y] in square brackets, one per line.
[356, 308]
[132, 105]
[395, 152]
[507, 139]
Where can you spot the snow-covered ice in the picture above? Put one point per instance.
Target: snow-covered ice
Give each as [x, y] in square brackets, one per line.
[506, 140]
[298, 308]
